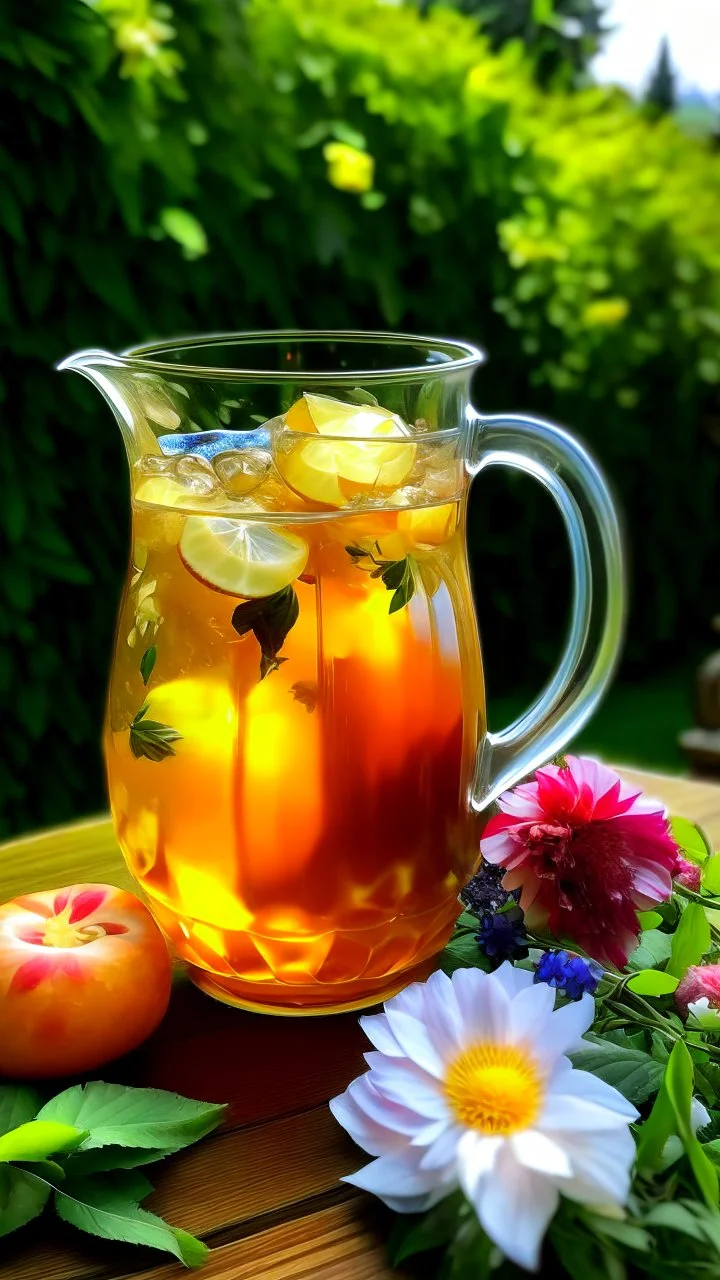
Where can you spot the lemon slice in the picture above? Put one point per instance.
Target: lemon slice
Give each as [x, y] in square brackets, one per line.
[352, 455]
[242, 557]
[428, 526]
[162, 491]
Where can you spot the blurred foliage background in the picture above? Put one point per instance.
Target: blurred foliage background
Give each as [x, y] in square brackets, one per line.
[231, 164]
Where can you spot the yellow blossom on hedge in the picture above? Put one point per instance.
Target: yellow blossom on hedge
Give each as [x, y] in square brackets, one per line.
[606, 312]
[349, 169]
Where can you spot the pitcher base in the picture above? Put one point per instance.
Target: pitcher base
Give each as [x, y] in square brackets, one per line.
[242, 995]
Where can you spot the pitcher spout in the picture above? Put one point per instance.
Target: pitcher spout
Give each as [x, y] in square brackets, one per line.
[114, 380]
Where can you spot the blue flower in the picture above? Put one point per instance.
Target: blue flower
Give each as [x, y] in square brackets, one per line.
[503, 935]
[569, 974]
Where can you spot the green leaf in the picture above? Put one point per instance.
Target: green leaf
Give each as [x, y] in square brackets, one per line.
[108, 1159]
[655, 1131]
[18, 1104]
[358, 395]
[38, 1139]
[625, 1233]
[691, 839]
[110, 1207]
[543, 12]
[651, 982]
[412, 1235]
[463, 953]
[633, 1072]
[147, 663]
[22, 1198]
[690, 941]
[679, 1080]
[117, 1115]
[654, 949]
[150, 738]
[711, 875]
[271, 619]
[184, 228]
[400, 578]
[649, 919]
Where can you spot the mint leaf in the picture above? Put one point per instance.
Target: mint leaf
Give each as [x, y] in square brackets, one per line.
[397, 576]
[22, 1198]
[633, 1072]
[18, 1104]
[405, 589]
[150, 738]
[39, 1139]
[271, 619]
[147, 663]
[116, 1115]
[110, 1207]
[690, 940]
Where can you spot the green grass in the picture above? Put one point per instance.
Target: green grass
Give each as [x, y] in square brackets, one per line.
[638, 723]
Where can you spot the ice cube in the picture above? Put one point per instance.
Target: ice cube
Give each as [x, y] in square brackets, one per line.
[208, 444]
[242, 470]
[196, 475]
[151, 464]
[411, 495]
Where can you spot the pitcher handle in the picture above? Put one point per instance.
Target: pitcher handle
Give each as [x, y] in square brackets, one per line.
[564, 468]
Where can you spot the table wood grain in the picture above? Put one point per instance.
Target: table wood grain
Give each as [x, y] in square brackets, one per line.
[264, 1190]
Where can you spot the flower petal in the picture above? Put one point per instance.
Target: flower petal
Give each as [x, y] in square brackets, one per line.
[600, 1160]
[515, 1207]
[531, 1010]
[578, 1100]
[476, 1156]
[443, 1150]
[391, 1115]
[535, 1150]
[377, 1029]
[565, 1028]
[399, 1080]
[374, 1138]
[512, 980]
[413, 1038]
[394, 1175]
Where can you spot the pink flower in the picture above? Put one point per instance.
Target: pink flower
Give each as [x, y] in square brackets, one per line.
[588, 852]
[701, 981]
[687, 873]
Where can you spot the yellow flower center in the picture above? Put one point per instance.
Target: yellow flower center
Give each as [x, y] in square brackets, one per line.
[494, 1088]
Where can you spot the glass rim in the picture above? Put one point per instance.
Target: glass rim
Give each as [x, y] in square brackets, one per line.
[461, 356]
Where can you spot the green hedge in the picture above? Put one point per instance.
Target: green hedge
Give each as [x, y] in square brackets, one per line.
[180, 180]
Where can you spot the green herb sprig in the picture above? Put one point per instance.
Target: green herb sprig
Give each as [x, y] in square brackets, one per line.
[79, 1152]
[151, 738]
[397, 575]
[271, 619]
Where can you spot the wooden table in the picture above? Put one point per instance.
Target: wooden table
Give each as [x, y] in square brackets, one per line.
[263, 1191]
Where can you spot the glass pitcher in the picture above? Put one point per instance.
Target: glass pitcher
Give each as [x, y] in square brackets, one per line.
[296, 742]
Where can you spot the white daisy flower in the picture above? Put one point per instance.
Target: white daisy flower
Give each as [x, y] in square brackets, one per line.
[470, 1087]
